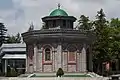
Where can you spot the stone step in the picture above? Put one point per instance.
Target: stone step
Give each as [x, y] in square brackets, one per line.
[54, 74]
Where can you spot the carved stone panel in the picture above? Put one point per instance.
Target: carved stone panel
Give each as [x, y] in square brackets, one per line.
[71, 68]
[47, 68]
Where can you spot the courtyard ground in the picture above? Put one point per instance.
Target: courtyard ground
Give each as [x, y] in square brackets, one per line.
[54, 78]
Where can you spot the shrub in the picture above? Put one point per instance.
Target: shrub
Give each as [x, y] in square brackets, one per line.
[13, 72]
[2, 74]
[8, 74]
[60, 72]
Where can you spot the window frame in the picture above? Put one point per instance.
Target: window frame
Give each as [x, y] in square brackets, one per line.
[48, 61]
[46, 54]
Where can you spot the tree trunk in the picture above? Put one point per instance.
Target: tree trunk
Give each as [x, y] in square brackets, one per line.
[98, 68]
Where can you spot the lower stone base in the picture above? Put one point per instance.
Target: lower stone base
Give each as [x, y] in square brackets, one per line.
[54, 78]
[84, 74]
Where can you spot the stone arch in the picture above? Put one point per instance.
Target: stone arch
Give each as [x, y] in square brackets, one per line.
[72, 50]
[47, 52]
[47, 58]
[48, 46]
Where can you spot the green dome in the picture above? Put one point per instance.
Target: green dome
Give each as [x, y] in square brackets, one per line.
[58, 12]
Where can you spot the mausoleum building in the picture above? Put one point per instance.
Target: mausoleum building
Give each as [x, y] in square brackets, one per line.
[58, 45]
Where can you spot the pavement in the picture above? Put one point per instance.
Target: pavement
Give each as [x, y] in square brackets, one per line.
[54, 78]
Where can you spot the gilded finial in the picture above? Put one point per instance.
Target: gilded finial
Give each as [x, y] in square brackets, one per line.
[58, 5]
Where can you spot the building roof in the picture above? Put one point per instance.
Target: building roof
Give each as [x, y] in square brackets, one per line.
[14, 56]
[58, 12]
[15, 47]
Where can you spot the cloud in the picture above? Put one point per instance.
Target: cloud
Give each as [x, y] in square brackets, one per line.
[12, 15]
[6, 4]
[18, 14]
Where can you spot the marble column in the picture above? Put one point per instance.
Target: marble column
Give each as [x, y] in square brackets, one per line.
[31, 60]
[78, 61]
[83, 59]
[35, 57]
[53, 59]
[6, 62]
[59, 53]
[64, 61]
[39, 60]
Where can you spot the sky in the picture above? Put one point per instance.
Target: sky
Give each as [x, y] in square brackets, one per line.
[17, 15]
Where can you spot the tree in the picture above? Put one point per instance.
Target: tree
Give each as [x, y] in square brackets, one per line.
[100, 23]
[106, 47]
[84, 23]
[18, 38]
[14, 39]
[101, 50]
[3, 31]
[115, 22]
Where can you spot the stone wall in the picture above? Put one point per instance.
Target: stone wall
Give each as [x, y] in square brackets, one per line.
[59, 59]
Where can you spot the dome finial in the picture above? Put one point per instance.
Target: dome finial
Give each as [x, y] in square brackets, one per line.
[58, 5]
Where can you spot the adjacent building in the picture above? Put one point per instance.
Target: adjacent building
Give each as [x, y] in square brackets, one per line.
[13, 55]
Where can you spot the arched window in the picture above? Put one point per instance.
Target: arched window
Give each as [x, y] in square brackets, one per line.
[47, 54]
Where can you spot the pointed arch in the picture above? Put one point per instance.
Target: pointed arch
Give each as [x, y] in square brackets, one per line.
[71, 53]
[47, 53]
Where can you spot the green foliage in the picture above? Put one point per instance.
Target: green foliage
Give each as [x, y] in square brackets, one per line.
[102, 35]
[107, 44]
[115, 22]
[8, 74]
[3, 31]
[84, 23]
[18, 38]
[60, 72]
[2, 74]
[100, 24]
[14, 39]
[106, 47]
[13, 72]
